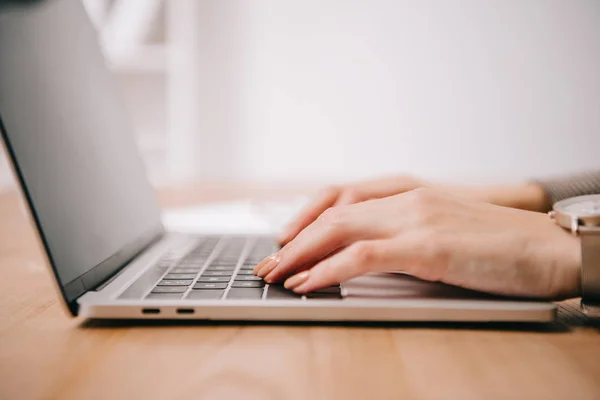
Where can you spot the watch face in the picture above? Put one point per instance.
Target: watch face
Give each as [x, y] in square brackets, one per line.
[581, 206]
[584, 207]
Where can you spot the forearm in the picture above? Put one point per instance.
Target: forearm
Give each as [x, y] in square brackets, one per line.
[537, 195]
[526, 196]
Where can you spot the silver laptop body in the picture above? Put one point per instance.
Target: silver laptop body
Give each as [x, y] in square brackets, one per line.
[97, 216]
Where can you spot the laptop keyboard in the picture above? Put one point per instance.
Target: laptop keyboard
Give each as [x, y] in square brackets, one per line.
[217, 268]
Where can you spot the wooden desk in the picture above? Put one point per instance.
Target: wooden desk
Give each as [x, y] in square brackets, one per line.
[46, 354]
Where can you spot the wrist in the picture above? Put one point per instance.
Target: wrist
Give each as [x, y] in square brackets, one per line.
[558, 253]
[570, 271]
[525, 196]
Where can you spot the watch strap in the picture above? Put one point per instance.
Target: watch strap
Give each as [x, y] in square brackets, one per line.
[567, 186]
[590, 268]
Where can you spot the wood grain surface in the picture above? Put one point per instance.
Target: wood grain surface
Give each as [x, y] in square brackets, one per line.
[46, 354]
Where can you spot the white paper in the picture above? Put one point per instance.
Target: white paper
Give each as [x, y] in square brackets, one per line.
[235, 217]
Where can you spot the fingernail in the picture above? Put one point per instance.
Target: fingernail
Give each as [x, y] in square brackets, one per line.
[269, 266]
[260, 265]
[296, 280]
[264, 262]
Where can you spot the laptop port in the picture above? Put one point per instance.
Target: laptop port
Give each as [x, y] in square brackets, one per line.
[185, 311]
[150, 310]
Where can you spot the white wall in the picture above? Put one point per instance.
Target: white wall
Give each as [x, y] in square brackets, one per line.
[337, 89]
[322, 90]
[144, 96]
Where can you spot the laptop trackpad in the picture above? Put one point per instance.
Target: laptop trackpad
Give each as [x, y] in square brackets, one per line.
[401, 286]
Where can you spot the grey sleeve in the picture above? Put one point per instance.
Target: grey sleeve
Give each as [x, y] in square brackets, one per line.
[560, 188]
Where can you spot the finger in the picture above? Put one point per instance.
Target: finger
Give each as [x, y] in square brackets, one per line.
[361, 258]
[267, 265]
[310, 213]
[335, 229]
[341, 226]
[357, 259]
[375, 189]
[350, 196]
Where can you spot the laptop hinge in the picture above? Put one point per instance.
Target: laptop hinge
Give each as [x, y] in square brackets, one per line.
[99, 285]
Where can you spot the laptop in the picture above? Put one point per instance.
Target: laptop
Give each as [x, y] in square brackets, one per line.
[98, 218]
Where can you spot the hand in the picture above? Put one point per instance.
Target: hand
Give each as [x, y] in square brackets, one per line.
[436, 237]
[342, 195]
[525, 196]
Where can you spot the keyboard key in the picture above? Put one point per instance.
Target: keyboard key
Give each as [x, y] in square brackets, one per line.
[214, 279]
[164, 296]
[175, 282]
[248, 284]
[193, 263]
[280, 293]
[217, 273]
[220, 267]
[331, 289]
[182, 270]
[180, 276]
[254, 260]
[225, 263]
[332, 292]
[230, 255]
[194, 259]
[265, 242]
[245, 272]
[195, 256]
[323, 296]
[244, 294]
[210, 286]
[248, 278]
[169, 289]
[205, 294]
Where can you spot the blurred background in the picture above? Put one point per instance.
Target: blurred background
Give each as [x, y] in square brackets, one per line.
[276, 91]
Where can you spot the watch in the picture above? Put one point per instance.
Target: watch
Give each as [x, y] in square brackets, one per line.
[581, 216]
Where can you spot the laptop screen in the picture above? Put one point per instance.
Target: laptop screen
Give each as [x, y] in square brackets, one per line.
[71, 143]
